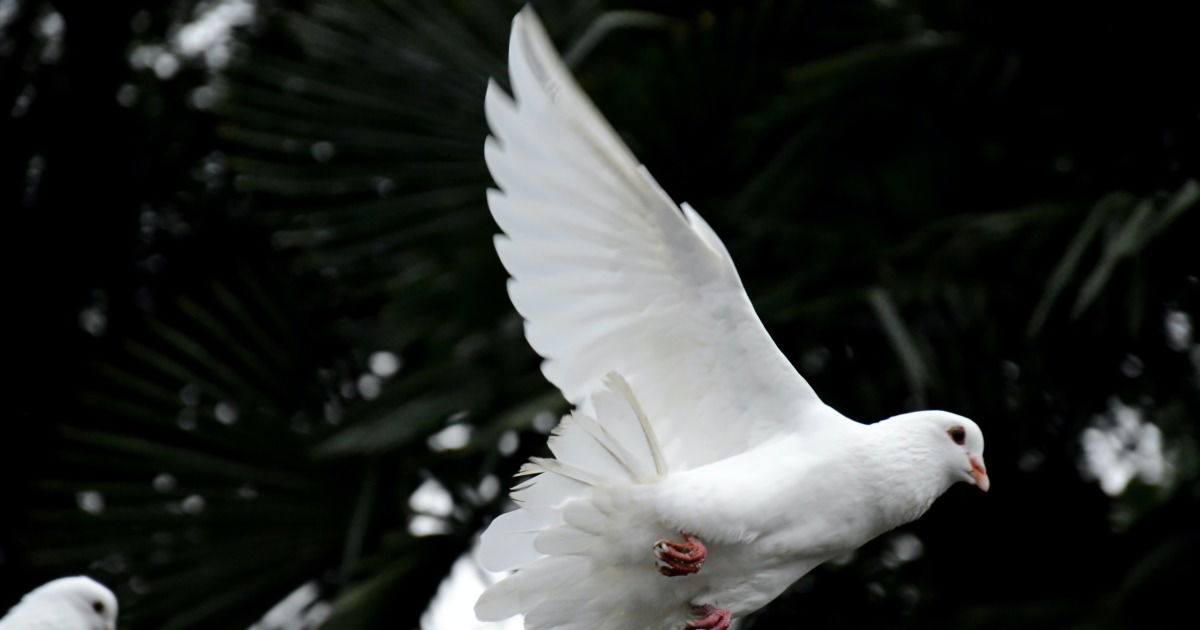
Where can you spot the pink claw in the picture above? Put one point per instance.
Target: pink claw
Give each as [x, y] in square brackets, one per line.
[711, 618]
[675, 559]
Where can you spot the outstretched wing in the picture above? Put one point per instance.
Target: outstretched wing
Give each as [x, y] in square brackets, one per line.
[612, 276]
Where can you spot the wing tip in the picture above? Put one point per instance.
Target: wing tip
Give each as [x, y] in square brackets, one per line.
[527, 21]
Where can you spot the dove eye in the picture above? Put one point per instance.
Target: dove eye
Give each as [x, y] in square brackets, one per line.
[958, 434]
[98, 606]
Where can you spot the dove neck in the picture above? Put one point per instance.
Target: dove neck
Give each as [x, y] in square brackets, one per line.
[905, 470]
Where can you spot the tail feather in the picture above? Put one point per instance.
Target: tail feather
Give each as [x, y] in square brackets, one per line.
[508, 541]
[580, 440]
[565, 540]
[526, 589]
[564, 614]
[585, 517]
[558, 537]
[547, 491]
[613, 598]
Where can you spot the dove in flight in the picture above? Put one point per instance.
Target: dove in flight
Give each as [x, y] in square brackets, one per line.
[699, 475]
[70, 603]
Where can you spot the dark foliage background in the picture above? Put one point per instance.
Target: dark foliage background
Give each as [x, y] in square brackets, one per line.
[983, 206]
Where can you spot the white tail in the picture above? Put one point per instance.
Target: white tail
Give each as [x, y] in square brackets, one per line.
[556, 538]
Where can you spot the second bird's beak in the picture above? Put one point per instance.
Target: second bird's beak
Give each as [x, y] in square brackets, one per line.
[979, 473]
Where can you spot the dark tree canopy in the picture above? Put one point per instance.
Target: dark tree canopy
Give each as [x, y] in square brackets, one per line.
[256, 303]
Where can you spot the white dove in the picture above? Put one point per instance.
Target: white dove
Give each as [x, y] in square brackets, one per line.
[70, 603]
[725, 479]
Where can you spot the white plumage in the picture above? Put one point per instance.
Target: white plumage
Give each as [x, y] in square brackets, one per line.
[72, 603]
[702, 426]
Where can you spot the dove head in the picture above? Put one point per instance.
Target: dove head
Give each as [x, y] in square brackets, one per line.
[86, 602]
[954, 441]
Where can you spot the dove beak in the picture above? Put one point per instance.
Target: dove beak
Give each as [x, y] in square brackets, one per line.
[979, 473]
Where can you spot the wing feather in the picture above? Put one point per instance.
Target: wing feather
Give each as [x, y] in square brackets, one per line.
[611, 275]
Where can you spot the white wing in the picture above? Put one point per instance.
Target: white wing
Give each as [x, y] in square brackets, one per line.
[611, 275]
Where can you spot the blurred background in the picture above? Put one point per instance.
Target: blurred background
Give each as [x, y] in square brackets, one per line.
[266, 373]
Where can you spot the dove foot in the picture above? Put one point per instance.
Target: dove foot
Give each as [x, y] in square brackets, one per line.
[675, 559]
[710, 618]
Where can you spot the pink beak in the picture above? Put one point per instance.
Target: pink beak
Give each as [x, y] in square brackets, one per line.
[979, 473]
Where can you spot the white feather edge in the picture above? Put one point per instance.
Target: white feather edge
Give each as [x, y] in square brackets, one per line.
[588, 454]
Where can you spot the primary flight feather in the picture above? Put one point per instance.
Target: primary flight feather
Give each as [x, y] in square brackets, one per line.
[700, 474]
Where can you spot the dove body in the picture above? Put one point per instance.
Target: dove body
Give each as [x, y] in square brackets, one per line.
[772, 514]
[768, 515]
[699, 474]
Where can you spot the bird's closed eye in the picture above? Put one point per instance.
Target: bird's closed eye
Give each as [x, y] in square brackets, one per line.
[98, 606]
[958, 434]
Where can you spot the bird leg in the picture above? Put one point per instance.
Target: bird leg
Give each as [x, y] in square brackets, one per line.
[710, 618]
[675, 559]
